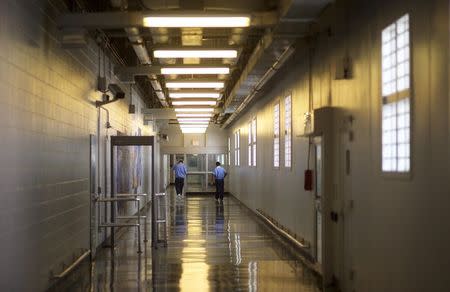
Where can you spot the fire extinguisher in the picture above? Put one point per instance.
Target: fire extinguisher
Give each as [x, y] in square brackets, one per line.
[308, 172]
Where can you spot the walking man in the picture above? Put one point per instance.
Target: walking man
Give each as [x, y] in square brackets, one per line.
[180, 174]
[220, 174]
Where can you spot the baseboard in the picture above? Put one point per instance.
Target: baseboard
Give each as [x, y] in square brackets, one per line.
[304, 253]
[205, 193]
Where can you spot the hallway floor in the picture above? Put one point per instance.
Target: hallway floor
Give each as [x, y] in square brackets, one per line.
[211, 247]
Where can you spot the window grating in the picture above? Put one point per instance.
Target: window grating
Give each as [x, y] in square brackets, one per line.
[287, 131]
[276, 135]
[254, 141]
[237, 141]
[250, 144]
[396, 108]
[229, 151]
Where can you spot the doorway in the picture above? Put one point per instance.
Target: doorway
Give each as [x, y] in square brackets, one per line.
[132, 175]
[318, 198]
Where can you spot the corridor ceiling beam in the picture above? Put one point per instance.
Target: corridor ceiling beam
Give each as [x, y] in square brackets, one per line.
[116, 20]
[127, 74]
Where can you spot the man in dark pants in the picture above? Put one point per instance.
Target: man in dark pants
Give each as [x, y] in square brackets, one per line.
[220, 174]
[180, 174]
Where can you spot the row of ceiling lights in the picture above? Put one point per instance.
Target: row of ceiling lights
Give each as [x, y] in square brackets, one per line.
[195, 119]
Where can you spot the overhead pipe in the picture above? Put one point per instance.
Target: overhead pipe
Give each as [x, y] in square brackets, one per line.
[266, 77]
[142, 53]
[294, 20]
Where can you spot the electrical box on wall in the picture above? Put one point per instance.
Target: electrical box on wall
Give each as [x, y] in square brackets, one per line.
[307, 126]
[314, 123]
[343, 68]
[74, 38]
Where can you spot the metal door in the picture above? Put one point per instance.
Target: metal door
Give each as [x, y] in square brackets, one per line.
[318, 155]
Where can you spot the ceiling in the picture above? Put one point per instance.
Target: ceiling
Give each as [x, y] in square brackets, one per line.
[262, 46]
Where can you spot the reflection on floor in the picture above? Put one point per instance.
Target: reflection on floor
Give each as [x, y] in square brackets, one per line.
[210, 247]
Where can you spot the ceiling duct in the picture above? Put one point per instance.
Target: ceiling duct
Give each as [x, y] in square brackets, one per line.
[274, 48]
[142, 53]
[239, 5]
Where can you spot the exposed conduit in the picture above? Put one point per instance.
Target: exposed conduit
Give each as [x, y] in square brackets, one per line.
[266, 77]
[141, 51]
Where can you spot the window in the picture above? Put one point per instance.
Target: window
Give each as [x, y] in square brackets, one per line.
[254, 140]
[250, 144]
[237, 161]
[287, 131]
[276, 135]
[229, 151]
[396, 97]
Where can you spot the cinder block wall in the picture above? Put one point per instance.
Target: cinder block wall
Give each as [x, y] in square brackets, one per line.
[46, 116]
[396, 236]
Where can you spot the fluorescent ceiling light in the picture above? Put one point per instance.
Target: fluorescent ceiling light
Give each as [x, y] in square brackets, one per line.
[195, 84]
[194, 119]
[205, 102]
[195, 53]
[193, 123]
[193, 115]
[194, 110]
[193, 126]
[194, 94]
[194, 70]
[194, 131]
[196, 21]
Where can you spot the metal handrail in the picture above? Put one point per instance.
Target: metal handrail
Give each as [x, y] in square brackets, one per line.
[130, 195]
[73, 265]
[284, 233]
[130, 217]
[118, 199]
[126, 198]
[119, 225]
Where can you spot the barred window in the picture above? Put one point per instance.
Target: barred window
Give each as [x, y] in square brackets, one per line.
[254, 141]
[396, 109]
[237, 141]
[229, 151]
[276, 135]
[288, 131]
[250, 144]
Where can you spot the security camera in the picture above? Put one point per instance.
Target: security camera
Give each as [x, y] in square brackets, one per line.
[116, 91]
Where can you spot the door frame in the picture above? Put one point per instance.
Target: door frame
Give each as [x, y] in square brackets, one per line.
[133, 141]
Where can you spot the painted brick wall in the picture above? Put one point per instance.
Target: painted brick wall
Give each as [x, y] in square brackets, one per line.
[395, 235]
[46, 116]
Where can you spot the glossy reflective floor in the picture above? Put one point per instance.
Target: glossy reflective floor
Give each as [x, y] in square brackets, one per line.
[211, 247]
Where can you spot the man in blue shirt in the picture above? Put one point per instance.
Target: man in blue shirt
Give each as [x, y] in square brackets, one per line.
[220, 174]
[180, 174]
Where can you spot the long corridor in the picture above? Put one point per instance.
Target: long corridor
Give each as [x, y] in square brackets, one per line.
[211, 247]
